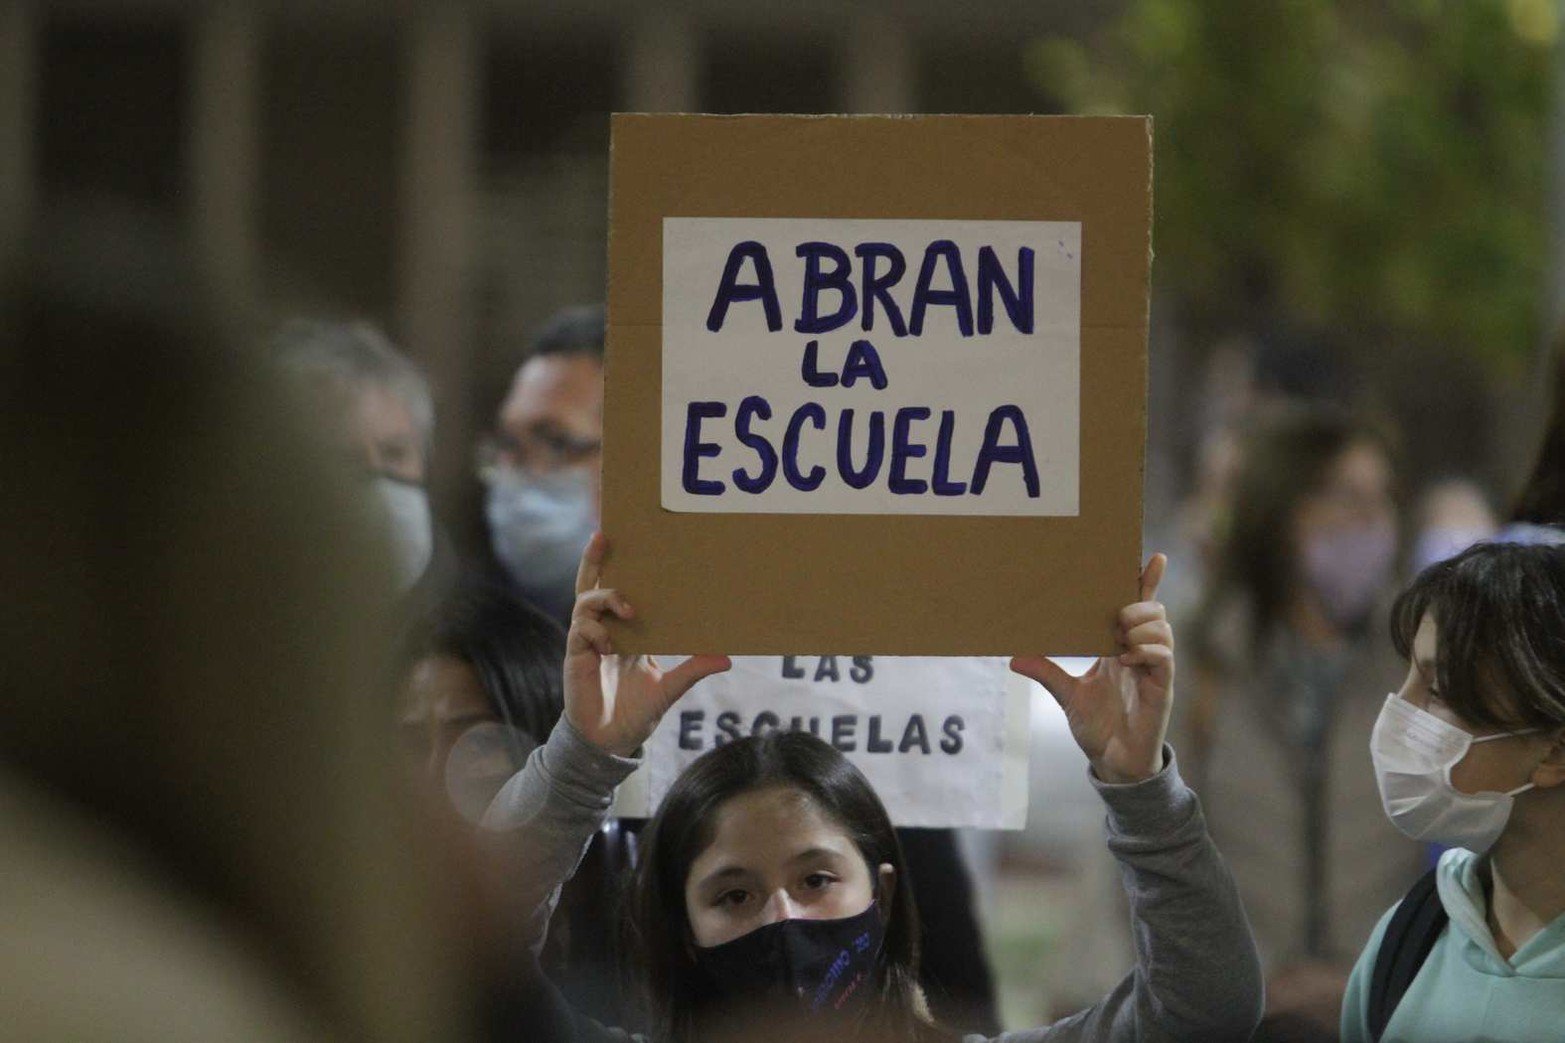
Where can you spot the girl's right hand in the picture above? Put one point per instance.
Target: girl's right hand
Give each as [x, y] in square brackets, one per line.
[616, 701]
[1119, 709]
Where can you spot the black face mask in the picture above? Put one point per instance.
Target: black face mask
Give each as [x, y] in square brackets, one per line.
[824, 965]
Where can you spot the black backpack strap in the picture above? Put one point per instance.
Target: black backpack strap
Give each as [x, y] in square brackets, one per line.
[1414, 928]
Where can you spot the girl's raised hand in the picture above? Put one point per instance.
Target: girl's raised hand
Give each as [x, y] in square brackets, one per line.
[614, 701]
[1118, 710]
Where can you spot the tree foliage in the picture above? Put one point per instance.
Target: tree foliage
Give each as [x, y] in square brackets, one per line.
[1377, 167]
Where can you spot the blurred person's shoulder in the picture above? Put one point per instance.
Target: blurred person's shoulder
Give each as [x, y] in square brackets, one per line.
[96, 947]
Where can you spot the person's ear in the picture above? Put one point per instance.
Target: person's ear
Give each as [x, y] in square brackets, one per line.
[885, 888]
[1551, 772]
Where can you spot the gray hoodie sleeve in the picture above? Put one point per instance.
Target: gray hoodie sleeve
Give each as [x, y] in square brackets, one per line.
[557, 802]
[1197, 975]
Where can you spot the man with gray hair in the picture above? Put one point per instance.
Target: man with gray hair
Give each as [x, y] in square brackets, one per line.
[385, 415]
[379, 392]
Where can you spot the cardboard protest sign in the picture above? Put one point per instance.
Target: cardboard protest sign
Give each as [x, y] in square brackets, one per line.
[944, 741]
[876, 383]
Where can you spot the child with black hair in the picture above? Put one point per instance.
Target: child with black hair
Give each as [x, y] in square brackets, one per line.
[1471, 753]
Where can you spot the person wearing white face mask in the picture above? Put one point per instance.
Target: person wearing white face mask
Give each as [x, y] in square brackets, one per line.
[1471, 753]
[383, 412]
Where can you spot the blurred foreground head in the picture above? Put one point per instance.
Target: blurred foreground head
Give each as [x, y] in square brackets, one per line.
[200, 835]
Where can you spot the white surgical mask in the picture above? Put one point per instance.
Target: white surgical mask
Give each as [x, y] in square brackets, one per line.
[406, 507]
[1414, 752]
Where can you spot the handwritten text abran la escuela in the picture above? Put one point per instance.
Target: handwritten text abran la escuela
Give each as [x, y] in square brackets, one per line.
[864, 457]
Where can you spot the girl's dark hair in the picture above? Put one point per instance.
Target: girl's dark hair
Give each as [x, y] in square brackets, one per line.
[1284, 461]
[515, 650]
[1499, 612]
[658, 927]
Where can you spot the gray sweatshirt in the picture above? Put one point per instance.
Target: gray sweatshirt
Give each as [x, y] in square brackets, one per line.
[1197, 976]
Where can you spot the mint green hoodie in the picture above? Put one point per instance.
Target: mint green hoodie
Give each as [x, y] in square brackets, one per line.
[1466, 991]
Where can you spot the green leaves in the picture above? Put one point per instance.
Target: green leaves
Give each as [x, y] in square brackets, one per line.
[1378, 167]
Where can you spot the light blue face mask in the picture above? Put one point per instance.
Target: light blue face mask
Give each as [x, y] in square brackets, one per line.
[538, 527]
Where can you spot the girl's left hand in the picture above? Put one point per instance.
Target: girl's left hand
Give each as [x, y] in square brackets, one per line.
[1118, 710]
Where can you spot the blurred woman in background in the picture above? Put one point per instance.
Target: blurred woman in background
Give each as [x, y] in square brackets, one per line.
[482, 690]
[1288, 679]
[480, 657]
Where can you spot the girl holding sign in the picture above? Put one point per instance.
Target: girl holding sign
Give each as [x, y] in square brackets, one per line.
[771, 899]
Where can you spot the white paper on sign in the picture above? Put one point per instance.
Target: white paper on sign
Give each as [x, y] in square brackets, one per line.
[825, 366]
[943, 740]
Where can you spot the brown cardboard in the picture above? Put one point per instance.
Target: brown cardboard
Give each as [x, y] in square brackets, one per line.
[877, 584]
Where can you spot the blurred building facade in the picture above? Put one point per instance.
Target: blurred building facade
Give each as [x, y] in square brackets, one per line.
[441, 167]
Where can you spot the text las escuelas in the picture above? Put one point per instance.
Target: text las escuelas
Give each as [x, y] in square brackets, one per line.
[848, 732]
[863, 456]
[877, 733]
